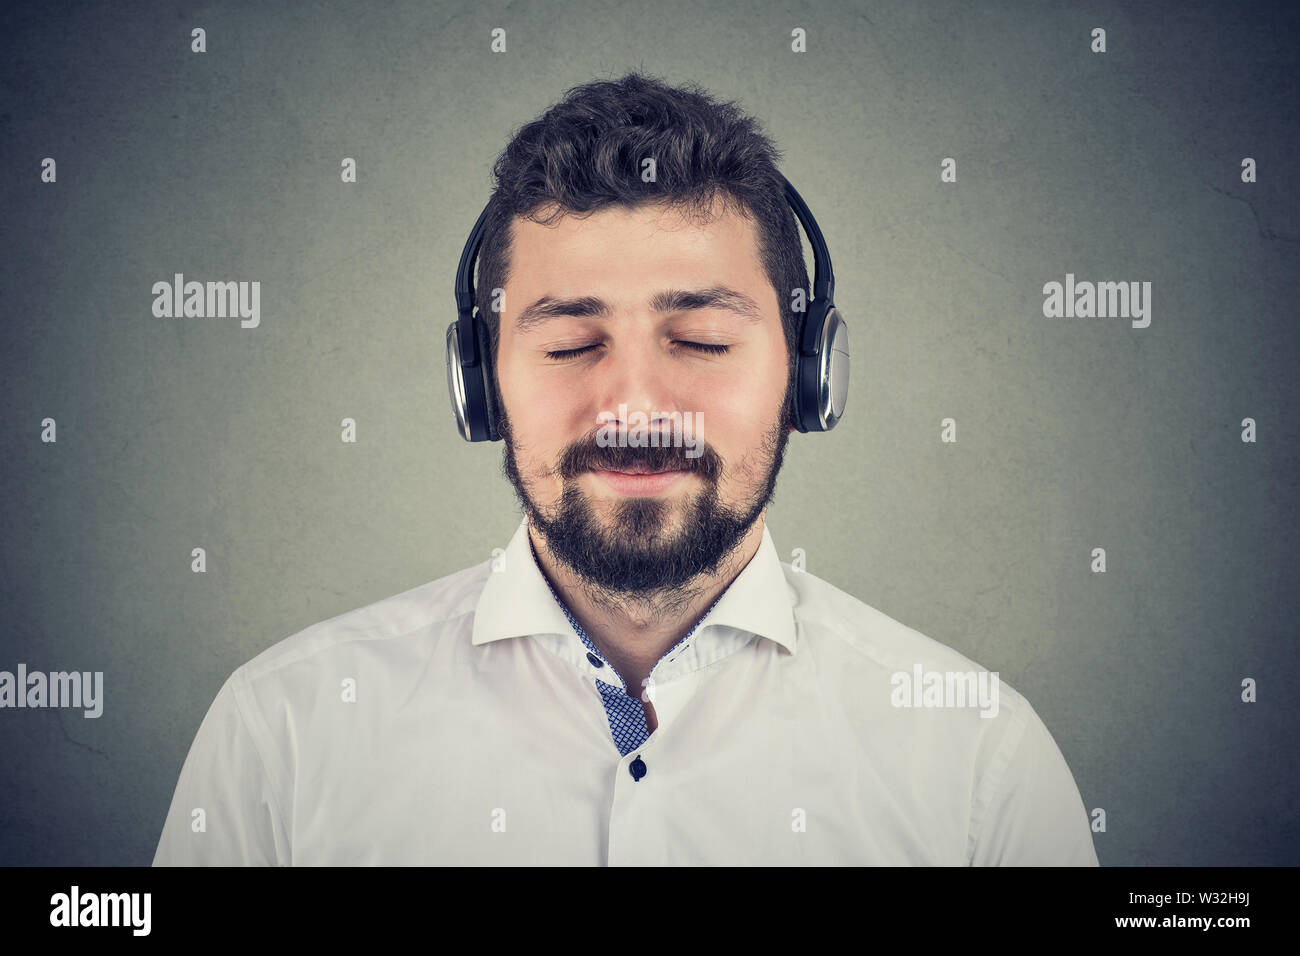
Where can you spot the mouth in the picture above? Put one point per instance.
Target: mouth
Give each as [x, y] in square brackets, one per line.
[639, 470]
[640, 481]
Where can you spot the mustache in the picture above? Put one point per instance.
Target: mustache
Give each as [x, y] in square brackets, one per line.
[588, 455]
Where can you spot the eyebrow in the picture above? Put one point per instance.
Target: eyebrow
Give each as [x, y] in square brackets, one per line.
[668, 300]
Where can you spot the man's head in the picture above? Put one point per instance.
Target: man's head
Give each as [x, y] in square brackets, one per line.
[648, 259]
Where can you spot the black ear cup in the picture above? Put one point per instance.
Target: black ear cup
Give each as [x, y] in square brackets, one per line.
[488, 365]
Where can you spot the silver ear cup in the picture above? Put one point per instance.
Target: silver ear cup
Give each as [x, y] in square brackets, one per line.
[833, 373]
[456, 381]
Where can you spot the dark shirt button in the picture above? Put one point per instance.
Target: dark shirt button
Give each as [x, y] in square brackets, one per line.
[595, 661]
[637, 768]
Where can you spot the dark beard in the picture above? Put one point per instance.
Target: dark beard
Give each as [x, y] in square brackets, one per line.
[635, 560]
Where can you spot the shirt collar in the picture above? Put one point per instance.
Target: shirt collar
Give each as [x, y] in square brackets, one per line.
[516, 600]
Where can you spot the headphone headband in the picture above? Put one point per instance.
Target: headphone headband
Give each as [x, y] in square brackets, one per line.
[823, 274]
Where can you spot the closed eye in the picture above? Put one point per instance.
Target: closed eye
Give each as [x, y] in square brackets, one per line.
[710, 349]
[566, 354]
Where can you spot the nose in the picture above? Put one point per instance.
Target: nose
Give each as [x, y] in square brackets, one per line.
[636, 377]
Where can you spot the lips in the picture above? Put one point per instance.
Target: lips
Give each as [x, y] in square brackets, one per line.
[640, 471]
[641, 483]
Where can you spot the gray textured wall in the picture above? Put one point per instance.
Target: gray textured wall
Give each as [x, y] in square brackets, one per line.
[1072, 433]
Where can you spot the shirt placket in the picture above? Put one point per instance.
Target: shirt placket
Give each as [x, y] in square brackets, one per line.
[625, 713]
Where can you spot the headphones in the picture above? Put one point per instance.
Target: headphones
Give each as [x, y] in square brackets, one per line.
[821, 371]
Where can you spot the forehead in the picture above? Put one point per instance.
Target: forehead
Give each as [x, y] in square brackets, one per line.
[651, 243]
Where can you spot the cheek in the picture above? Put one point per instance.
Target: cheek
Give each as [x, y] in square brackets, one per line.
[740, 406]
[543, 418]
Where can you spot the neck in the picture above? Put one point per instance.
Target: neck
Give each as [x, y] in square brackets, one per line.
[634, 632]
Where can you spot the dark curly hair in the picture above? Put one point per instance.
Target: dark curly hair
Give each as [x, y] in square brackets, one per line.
[585, 153]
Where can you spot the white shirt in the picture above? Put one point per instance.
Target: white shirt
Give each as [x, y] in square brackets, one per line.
[462, 722]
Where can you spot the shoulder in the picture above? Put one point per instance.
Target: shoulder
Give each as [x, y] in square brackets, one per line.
[835, 622]
[366, 637]
[924, 711]
[885, 676]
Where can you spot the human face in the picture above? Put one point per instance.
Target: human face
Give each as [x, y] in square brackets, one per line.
[649, 535]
